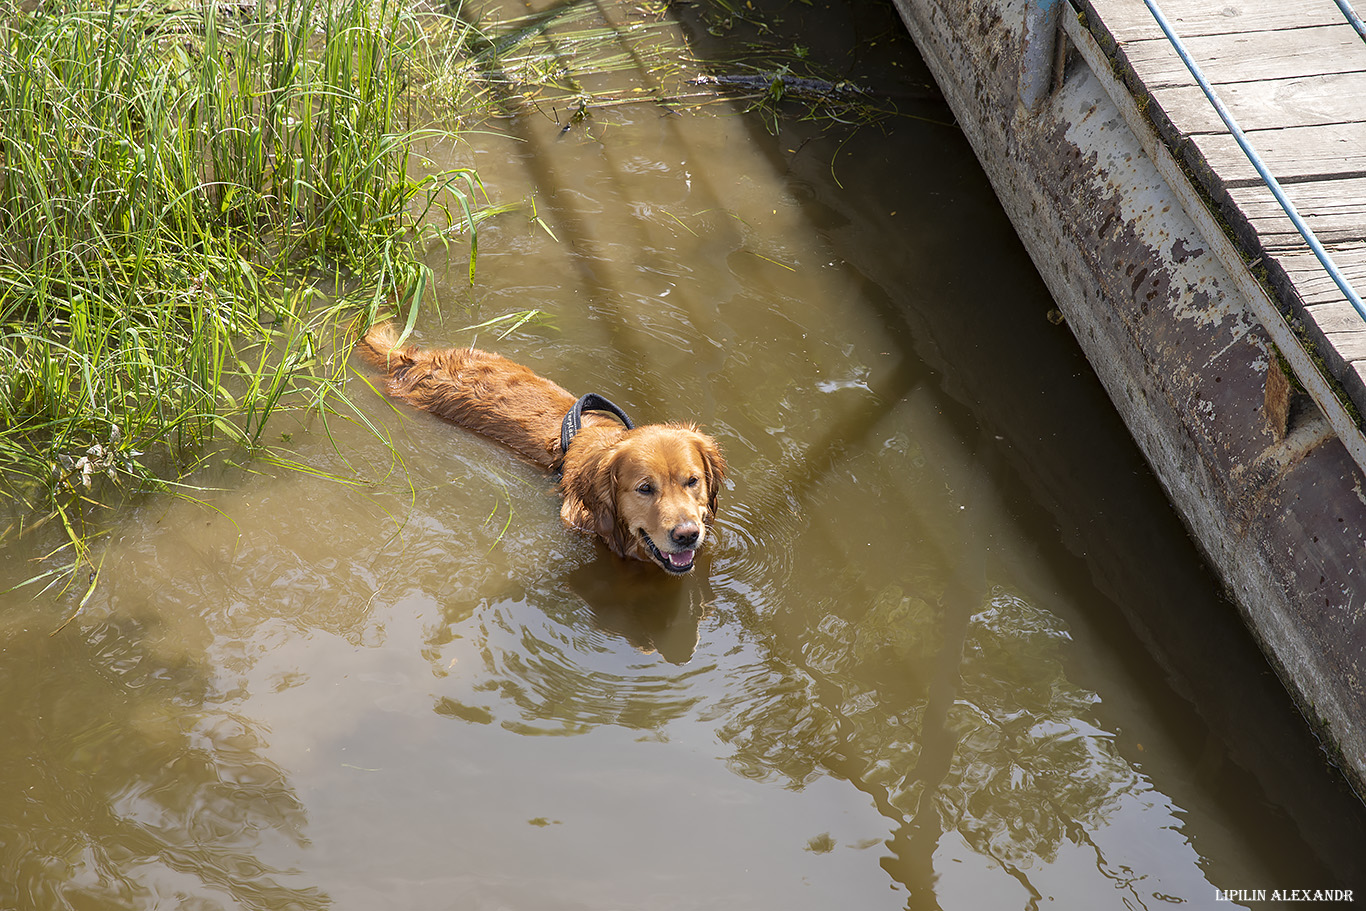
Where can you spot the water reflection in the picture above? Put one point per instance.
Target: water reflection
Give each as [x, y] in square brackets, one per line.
[121, 791]
[1012, 760]
[1031, 769]
[888, 684]
[889, 658]
[602, 645]
[653, 614]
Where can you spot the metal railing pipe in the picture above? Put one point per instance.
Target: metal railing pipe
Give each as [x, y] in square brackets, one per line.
[1272, 184]
[1352, 17]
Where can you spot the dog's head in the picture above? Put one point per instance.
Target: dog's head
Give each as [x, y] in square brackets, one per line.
[651, 494]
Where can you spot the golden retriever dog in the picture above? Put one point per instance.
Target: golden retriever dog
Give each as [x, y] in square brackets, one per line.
[649, 492]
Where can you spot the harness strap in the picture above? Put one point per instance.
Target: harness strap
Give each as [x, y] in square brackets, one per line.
[573, 419]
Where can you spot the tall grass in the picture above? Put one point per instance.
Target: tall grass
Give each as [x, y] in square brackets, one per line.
[195, 202]
[178, 191]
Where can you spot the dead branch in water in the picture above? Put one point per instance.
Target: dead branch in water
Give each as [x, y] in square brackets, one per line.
[803, 87]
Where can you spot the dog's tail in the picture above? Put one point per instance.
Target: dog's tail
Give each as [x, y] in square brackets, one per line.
[379, 345]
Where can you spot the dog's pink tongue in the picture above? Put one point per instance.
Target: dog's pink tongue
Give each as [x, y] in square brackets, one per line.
[682, 558]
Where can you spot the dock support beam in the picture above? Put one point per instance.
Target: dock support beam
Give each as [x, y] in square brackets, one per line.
[1037, 52]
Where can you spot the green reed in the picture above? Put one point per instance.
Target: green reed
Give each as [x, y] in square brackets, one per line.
[183, 195]
[196, 203]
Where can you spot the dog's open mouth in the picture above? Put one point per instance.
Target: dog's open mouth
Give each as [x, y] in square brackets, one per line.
[679, 562]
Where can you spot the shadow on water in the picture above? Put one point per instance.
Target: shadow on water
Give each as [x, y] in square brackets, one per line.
[1017, 388]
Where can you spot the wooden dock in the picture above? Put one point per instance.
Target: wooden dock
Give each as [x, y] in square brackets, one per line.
[1293, 77]
[1182, 284]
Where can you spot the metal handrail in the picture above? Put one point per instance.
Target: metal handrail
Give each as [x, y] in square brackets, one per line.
[1352, 17]
[1272, 184]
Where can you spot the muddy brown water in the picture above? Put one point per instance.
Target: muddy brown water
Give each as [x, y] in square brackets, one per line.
[950, 649]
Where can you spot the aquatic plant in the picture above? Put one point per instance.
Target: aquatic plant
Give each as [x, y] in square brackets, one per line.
[554, 60]
[192, 204]
[198, 197]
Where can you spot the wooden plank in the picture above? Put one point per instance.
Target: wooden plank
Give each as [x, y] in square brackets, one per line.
[1130, 19]
[1356, 386]
[1282, 54]
[1339, 318]
[1296, 154]
[1313, 284]
[1341, 336]
[1268, 103]
[1335, 211]
[1289, 240]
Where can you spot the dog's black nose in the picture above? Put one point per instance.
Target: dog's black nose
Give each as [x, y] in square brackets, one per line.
[685, 535]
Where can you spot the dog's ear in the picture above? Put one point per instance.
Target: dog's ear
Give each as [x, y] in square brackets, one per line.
[610, 523]
[592, 485]
[715, 467]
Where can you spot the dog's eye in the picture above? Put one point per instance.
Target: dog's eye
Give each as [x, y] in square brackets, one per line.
[691, 482]
[645, 488]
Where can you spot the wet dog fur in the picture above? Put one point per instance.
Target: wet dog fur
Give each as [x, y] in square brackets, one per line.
[649, 493]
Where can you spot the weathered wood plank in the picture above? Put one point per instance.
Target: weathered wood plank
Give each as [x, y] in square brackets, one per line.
[1268, 103]
[1282, 54]
[1340, 319]
[1356, 385]
[1343, 352]
[1130, 19]
[1283, 242]
[1340, 335]
[1335, 211]
[1313, 284]
[1296, 154]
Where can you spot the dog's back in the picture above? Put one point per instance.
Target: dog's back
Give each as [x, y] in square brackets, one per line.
[485, 392]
